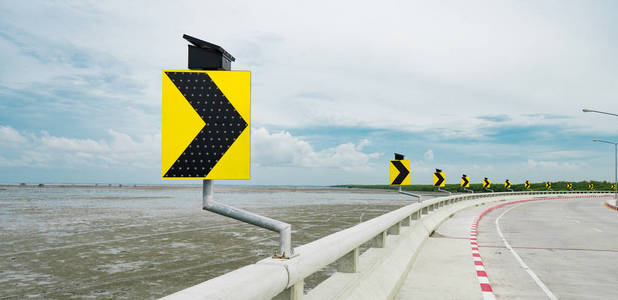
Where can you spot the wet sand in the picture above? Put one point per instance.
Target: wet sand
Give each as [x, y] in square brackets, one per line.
[67, 242]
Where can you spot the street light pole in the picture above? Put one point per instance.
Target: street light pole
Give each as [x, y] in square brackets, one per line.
[599, 112]
[615, 151]
[615, 165]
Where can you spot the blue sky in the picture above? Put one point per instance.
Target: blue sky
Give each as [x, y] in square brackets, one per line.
[487, 88]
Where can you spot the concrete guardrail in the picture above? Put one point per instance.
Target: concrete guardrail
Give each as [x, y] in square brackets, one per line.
[393, 240]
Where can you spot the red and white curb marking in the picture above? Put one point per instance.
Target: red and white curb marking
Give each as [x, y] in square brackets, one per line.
[610, 205]
[488, 293]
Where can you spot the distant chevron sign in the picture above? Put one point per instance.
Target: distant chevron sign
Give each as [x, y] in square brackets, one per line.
[465, 181]
[205, 124]
[527, 184]
[486, 183]
[569, 186]
[400, 172]
[438, 178]
[507, 184]
[548, 185]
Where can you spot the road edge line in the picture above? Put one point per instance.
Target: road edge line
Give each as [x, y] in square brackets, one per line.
[536, 278]
[610, 206]
[481, 273]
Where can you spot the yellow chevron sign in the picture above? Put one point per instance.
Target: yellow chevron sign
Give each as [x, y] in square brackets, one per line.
[569, 186]
[486, 183]
[527, 184]
[548, 185]
[612, 187]
[206, 121]
[438, 179]
[400, 172]
[465, 181]
[507, 184]
[591, 186]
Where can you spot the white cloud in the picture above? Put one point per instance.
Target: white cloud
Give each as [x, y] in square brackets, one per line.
[476, 59]
[553, 165]
[70, 145]
[445, 68]
[45, 150]
[9, 137]
[121, 150]
[428, 155]
[283, 149]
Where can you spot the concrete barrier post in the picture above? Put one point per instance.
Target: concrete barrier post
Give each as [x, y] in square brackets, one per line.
[395, 229]
[349, 262]
[295, 292]
[405, 221]
[379, 241]
[416, 215]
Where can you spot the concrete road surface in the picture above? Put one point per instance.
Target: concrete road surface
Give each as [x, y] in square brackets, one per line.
[570, 247]
[562, 249]
[444, 268]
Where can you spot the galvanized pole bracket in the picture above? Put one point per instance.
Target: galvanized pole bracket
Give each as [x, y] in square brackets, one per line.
[207, 56]
[284, 229]
[444, 191]
[410, 194]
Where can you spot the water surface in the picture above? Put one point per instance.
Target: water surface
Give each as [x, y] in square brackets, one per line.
[147, 242]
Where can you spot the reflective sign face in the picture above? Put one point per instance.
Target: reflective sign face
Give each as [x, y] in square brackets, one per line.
[400, 172]
[527, 184]
[507, 184]
[438, 179]
[206, 121]
[569, 186]
[548, 185]
[486, 183]
[465, 181]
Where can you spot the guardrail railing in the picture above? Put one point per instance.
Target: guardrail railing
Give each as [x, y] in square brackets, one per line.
[284, 278]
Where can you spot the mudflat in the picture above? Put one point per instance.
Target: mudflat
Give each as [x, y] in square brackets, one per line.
[60, 242]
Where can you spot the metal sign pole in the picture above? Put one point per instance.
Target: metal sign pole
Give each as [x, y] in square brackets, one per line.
[206, 56]
[284, 229]
[411, 194]
[444, 191]
[401, 176]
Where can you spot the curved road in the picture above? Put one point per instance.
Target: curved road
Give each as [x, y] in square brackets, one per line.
[567, 249]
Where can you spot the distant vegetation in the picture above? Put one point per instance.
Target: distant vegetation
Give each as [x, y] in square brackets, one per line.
[496, 186]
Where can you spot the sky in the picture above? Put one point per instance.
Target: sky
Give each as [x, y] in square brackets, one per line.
[486, 88]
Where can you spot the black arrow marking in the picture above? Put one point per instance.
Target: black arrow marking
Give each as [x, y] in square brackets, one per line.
[508, 184]
[485, 183]
[403, 172]
[465, 183]
[223, 125]
[440, 179]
